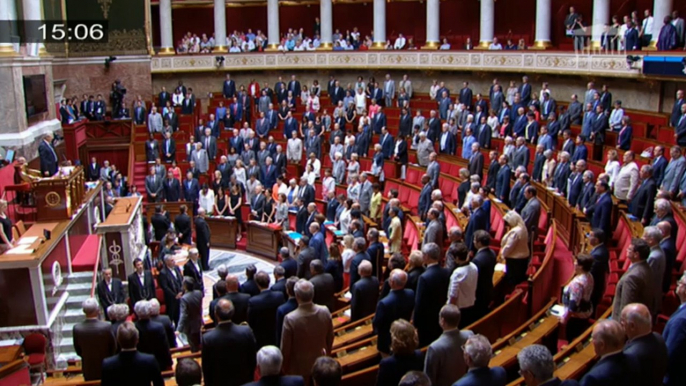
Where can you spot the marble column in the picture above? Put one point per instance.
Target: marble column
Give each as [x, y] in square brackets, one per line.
[326, 23]
[487, 23]
[33, 11]
[433, 16]
[661, 9]
[8, 11]
[542, 40]
[219, 26]
[166, 32]
[601, 16]
[272, 24]
[379, 24]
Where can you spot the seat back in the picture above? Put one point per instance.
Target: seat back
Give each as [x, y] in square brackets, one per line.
[20, 227]
[35, 344]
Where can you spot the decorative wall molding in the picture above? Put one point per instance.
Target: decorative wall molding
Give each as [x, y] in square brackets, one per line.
[507, 61]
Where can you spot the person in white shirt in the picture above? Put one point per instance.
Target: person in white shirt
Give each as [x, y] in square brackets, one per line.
[177, 98]
[206, 199]
[544, 89]
[622, 31]
[627, 179]
[495, 45]
[616, 116]
[462, 289]
[473, 191]
[646, 29]
[445, 46]
[294, 148]
[316, 42]
[612, 166]
[316, 164]
[400, 42]
[234, 49]
[309, 174]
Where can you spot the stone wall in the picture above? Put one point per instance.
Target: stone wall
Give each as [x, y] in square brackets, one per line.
[634, 94]
[89, 76]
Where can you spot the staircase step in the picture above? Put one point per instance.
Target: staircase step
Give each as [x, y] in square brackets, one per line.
[81, 277]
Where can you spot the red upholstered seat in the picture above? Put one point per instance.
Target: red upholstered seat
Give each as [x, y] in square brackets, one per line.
[35, 359]
[412, 176]
[159, 295]
[403, 196]
[389, 170]
[413, 201]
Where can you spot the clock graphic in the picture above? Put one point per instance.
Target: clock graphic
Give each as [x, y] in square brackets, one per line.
[52, 199]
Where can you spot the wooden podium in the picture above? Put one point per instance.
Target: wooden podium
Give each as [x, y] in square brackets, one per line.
[58, 197]
[222, 231]
[264, 239]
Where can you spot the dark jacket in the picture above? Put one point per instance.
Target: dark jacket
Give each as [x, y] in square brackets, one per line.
[93, 342]
[392, 369]
[153, 340]
[240, 305]
[365, 293]
[649, 354]
[643, 203]
[262, 316]
[107, 297]
[483, 376]
[599, 269]
[182, 224]
[324, 290]
[398, 304]
[431, 295]
[131, 368]
[218, 360]
[278, 380]
[137, 291]
[165, 321]
[615, 369]
[675, 339]
[485, 260]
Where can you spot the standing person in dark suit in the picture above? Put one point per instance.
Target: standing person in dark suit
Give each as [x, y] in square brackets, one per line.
[250, 287]
[359, 247]
[191, 190]
[493, 170]
[228, 349]
[93, 341]
[289, 264]
[477, 221]
[432, 292]
[170, 280]
[160, 223]
[477, 354]
[130, 367]
[172, 188]
[600, 267]
[675, 339]
[324, 286]
[502, 183]
[262, 311]
[485, 260]
[163, 97]
[305, 255]
[168, 148]
[405, 355]
[614, 367]
[398, 304]
[193, 269]
[476, 162]
[237, 298]
[636, 285]
[190, 319]
[202, 239]
[164, 320]
[152, 338]
[110, 291]
[141, 283]
[93, 173]
[290, 305]
[365, 292]
[644, 347]
[279, 281]
[154, 186]
[48, 157]
[182, 224]
[602, 211]
[643, 202]
[152, 149]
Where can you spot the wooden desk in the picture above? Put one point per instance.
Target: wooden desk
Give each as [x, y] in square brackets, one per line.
[9, 354]
[223, 231]
[263, 240]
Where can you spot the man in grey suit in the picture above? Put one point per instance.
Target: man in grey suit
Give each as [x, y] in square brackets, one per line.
[365, 194]
[424, 149]
[531, 211]
[434, 231]
[497, 99]
[93, 341]
[209, 143]
[389, 90]
[476, 162]
[314, 144]
[590, 92]
[406, 83]
[656, 260]
[263, 103]
[521, 154]
[201, 159]
[190, 320]
[444, 363]
[262, 155]
[153, 186]
[636, 285]
[339, 168]
[574, 111]
[680, 27]
[433, 170]
[673, 172]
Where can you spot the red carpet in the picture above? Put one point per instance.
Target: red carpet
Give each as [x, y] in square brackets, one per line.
[243, 244]
[85, 258]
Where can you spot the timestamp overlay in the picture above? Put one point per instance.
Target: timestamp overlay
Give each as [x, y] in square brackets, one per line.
[53, 31]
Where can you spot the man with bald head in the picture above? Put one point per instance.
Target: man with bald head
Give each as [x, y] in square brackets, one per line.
[237, 298]
[307, 332]
[644, 347]
[398, 304]
[365, 292]
[614, 367]
[229, 348]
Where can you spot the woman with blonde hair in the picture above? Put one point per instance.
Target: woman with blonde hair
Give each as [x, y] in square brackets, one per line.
[514, 248]
[405, 357]
[347, 258]
[612, 166]
[6, 241]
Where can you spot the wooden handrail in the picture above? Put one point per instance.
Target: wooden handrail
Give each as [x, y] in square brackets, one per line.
[94, 282]
[11, 367]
